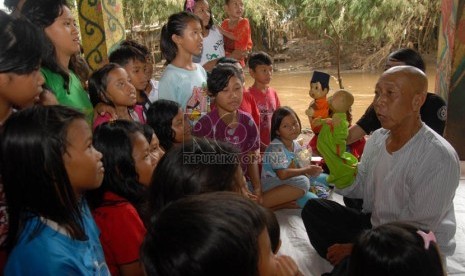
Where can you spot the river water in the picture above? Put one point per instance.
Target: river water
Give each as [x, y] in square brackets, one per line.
[293, 86]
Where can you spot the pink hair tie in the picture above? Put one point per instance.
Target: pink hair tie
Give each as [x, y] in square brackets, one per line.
[190, 5]
[427, 238]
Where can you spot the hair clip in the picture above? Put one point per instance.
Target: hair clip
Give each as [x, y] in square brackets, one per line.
[112, 121]
[190, 5]
[427, 238]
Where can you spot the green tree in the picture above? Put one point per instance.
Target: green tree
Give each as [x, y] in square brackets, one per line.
[150, 12]
[265, 17]
[263, 14]
[384, 23]
[330, 17]
[391, 23]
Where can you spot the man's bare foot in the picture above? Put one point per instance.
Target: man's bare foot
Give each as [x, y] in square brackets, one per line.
[337, 252]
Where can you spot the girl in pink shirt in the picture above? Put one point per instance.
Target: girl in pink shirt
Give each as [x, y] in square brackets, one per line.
[110, 85]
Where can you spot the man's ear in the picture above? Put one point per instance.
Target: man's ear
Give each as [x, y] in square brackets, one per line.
[418, 101]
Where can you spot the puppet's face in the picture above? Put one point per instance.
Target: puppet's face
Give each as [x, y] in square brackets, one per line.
[316, 91]
[340, 103]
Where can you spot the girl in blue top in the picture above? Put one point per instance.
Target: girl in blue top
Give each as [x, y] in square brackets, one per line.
[20, 85]
[47, 164]
[285, 180]
[184, 81]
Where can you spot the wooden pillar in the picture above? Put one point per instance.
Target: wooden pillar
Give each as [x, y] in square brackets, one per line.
[102, 28]
[450, 77]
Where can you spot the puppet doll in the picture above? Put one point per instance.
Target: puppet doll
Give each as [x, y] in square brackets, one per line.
[332, 141]
[319, 87]
[318, 108]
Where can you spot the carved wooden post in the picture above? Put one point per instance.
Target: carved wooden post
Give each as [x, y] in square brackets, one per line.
[102, 28]
[450, 77]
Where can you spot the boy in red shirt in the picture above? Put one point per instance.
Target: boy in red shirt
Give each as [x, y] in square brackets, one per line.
[266, 98]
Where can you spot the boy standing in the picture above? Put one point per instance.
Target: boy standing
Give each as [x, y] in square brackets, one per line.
[134, 62]
[151, 89]
[261, 70]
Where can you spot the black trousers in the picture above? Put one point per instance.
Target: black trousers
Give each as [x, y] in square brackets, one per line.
[328, 222]
[354, 203]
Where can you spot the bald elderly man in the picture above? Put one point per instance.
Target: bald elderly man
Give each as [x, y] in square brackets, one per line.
[407, 173]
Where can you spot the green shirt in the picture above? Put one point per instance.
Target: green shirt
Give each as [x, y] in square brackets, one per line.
[77, 97]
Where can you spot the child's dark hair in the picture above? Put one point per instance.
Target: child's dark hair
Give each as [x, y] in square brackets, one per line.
[35, 179]
[20, 46]
[124, 54]
[394, 249]
[98, 83]
[81, 68]
[115, 141]
[142, 48]
[176, 25]
[259, 58]
[274, 231]
[208, 234]
[220, 76]
[148, 132]
[186, 170]
[10, 5]
[228, 60]
[409, 57]
[160, 117]
[277, 118]
[191, 9]
[43, 14]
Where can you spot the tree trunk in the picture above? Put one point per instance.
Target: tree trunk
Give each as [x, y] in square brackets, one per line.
[339, 78]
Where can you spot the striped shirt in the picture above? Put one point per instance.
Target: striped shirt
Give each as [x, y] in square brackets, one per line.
[415, 184]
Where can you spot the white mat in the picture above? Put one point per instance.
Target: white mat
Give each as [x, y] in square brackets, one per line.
[296, 244]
